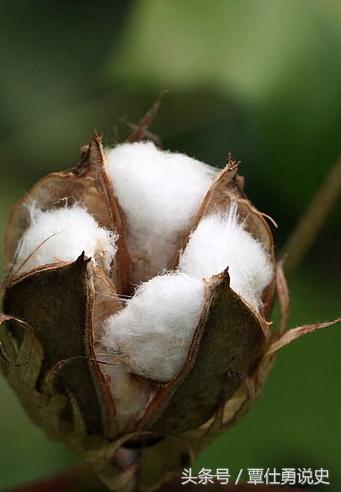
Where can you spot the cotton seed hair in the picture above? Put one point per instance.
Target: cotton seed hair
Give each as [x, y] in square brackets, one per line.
[61, 235]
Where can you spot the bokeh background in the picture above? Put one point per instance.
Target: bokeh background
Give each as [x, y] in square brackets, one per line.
[260, 78]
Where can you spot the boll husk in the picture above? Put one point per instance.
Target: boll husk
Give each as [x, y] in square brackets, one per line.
[139, 382]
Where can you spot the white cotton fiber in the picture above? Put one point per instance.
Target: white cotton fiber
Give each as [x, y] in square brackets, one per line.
[62, 235]
[153, 332]
[220, 241]
[159, 193]
[130, 395]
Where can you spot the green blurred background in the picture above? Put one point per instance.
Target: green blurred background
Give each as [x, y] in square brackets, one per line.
[260, 78]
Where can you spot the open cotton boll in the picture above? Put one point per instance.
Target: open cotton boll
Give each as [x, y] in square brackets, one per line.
[62, 235]
[220, 241]
[159, 193]
[153, 332]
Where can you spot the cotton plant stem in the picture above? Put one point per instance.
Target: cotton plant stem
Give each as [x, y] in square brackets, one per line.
[313, 219]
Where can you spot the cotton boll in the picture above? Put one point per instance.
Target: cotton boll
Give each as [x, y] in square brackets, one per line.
[220, 241]
[159, 193]
[153, 332]
[62, 235]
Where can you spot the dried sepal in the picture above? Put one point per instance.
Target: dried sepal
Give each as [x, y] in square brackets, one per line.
[226, 189]
[57, 303]
[115, 463]
[12, 328]
[21, 361]
[283, 296]
[141, 131]
[159, 463]
[296, 333]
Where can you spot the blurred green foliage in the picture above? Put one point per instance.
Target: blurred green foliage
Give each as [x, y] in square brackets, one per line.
[260, 78]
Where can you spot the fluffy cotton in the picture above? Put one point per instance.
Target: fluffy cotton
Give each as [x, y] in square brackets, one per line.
[221, 241]
[62, 235]
[130, 395]
[153, 332]
[159, 192]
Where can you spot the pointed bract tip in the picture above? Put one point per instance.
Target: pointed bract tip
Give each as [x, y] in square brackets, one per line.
[83, 259]
[226, 276]
[96, 136]
[220, 278]
[141, 130]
